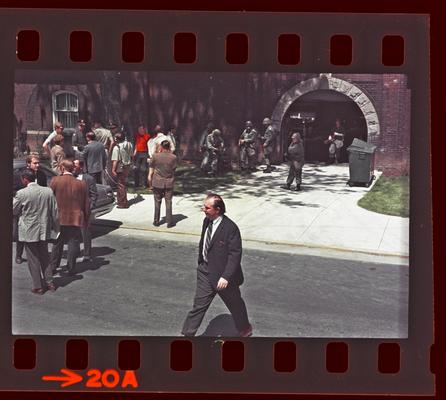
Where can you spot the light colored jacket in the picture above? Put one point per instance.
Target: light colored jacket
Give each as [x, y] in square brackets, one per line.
[36, 208]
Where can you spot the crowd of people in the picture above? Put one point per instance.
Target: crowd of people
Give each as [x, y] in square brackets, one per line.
[103, 155]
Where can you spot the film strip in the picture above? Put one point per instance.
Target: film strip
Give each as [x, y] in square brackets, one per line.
[263, 63]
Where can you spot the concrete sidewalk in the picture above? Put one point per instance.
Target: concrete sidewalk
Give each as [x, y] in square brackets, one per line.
[323, 217]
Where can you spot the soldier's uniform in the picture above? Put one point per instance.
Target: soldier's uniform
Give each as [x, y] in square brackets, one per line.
[295, 155]
[268, 139]
[214, 149]
[248, 148]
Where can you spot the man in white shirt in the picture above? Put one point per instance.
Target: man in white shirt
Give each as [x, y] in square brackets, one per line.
[48, 143]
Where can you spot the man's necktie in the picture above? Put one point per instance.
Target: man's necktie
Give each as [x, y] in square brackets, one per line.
[207, 243]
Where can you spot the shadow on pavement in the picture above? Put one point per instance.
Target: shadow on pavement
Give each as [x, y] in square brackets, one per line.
[103, 227]
[175, 217]
[270, 186]
[221, 325]
[98, 261]
[136, 199]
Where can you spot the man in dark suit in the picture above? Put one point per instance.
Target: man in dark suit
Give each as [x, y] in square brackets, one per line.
[95, 157]
[74, 212]
[219, 269]
[93, 196]
[161, 178]
[36, 208]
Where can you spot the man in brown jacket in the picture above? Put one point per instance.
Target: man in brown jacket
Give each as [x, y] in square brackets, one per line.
[161, 178]
[73, 205]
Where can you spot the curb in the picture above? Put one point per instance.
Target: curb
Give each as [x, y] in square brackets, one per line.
[267, 242]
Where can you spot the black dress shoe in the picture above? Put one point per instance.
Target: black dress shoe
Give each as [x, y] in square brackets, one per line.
[156, 223]
[297, 189]
[171, 225]
[287, 187]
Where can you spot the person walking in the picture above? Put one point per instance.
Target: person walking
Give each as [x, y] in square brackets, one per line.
[161, 178]
[36, 208]
[219, 268]
[121, 160]
[74, 212]
[295, 156]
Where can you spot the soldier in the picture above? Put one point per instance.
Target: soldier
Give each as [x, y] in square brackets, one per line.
[268, 140]
[295, 156]
[214, 150]
[202, 144]
[247, 143]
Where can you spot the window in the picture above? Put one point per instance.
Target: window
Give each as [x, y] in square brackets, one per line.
[66, 109]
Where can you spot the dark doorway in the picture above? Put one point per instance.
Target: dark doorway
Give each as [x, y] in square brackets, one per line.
[314, 114]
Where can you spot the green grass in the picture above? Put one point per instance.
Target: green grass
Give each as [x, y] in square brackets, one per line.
[389, 195]
[189, 179]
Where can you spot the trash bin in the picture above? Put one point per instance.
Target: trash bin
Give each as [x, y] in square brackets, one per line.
[361, 161]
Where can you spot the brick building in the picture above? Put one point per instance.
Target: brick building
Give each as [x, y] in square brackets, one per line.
[372, 107]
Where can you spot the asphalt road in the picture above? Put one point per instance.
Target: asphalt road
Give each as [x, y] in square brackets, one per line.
[143, 285]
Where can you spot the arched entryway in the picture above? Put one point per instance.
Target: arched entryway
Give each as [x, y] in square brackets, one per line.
[312, 108]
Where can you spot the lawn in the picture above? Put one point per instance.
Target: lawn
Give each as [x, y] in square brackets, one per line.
[190, 179]
[389, 195]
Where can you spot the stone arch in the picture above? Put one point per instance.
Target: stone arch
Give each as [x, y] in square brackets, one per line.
[328, 82]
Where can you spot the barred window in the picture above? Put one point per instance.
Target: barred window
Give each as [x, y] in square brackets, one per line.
[66, 109]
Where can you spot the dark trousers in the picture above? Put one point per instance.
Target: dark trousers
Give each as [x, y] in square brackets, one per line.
[15, 236]
[71, 236]
[97, 176]
[158, 195]
[86, 238]
[39, 263]
[295, 172]
[121, 194]
[267, 151]
[204, 295]
[19, 249]
[140, 164]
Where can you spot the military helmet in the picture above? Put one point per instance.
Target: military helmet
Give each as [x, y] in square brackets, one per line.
[216, 132]
[266, 121]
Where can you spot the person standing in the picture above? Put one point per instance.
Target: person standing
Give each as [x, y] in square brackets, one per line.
[219, 269]
[48, 143]
[95, 157]
[121, 160]
[247, 143]
[268, 138]
[74, 212]
[36, 208]
[93, 196]
[57, 153]
[140, 155]
[335, 142]
[161, 178]
[103, 135]
[295, 156]
[215, 147]
[33, 164]
[78, 140]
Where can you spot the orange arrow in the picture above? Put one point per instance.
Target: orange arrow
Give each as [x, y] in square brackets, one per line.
[69, 378]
